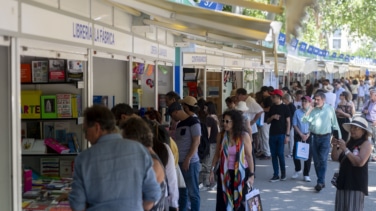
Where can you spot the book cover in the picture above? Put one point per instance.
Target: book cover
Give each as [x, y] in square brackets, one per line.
[75, 70]
[25, 73]
[34, 130]
[48, 130]
[48, 106]
[56, 70]
[64, 107]
[61, 130]
[38, 148]
[30, 104]
[49, 167]
[27, 144]
[56, 146]
[37, 206]
[27, 180]
[76, 105]
[39, 71]
[66, 168]
[73, 143]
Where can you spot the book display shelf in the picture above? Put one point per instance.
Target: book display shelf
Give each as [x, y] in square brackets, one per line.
[51, 126]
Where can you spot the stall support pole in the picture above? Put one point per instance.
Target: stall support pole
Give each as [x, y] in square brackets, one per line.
[156, 86]
[205, 83]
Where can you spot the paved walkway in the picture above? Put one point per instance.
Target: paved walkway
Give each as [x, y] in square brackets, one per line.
[295, 194]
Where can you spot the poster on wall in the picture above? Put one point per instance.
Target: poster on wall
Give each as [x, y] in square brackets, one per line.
[270, 80]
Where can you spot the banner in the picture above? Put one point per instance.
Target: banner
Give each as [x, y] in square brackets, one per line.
[281, 39]
[303, 47]
[294, 43]
[310, 49]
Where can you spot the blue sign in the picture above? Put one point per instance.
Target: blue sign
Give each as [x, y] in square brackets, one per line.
[310, 49]
[334, 55]
[210, 5]
[316, 51]
[303, 46]
[281, 39]
[321, 52]
[341, 56]
[294, 43]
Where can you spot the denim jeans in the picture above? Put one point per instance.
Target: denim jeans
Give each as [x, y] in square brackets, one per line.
[191, 182]
[320, 146]
[277, 146]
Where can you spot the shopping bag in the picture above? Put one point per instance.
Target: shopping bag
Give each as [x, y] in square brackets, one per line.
[302, 151]
[253, 201]
[179, 175]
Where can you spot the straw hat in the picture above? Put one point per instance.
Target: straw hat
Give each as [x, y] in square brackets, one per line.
[242, 106]
[359, 122]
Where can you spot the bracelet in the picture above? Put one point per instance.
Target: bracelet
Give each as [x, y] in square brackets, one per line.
[347, 151]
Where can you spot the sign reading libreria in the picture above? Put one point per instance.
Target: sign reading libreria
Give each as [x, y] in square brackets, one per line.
[99, 34]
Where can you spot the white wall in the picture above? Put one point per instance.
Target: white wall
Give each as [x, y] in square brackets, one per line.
[165, 80]
[110, 78]
[5, 131]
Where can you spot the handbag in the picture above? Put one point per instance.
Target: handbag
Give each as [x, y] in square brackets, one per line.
[253, 200]
[302, 151]
[179, 175]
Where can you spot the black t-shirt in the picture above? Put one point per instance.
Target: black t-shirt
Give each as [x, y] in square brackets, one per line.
[212, 123]
[292, 110]
[278, 127]
[267, 102]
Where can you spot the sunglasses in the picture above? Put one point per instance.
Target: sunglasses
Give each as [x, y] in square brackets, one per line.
[226, 121]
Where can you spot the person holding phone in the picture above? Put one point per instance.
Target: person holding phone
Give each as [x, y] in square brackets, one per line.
[322, 121]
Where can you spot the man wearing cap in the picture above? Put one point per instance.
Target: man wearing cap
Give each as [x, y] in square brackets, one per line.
[322, 121]
[190, 106]
[302, 134]
[188, 132]
[369, 110]
[279, 134]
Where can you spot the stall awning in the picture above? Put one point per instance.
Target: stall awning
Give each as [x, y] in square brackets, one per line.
[202, 22]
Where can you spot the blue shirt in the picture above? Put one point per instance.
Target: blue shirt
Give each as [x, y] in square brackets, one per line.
[322, 120]
[371, 107]
[297, 121]
[114, 174]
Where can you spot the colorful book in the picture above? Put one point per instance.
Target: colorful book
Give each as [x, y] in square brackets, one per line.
[48, 130]
[64, 106]
[76, 105]
[39, 71]
[56, 70]
[56, 146]
[49, 167]
[48, 106]
[30, 104]
[61, 130]
[75, 70]
[66, 168]
[27, 180]
[26, 73]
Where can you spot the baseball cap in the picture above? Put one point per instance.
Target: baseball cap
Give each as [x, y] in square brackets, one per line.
[307, 98]
[276, 92]
[175, 106]
[189, 100]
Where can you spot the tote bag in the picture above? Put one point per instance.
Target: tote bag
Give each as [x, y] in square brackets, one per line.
[302, 151]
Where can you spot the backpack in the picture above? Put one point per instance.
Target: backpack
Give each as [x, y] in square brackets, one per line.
[204, 147]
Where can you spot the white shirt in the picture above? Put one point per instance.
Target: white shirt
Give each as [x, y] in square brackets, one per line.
[298, 104]
[253, 109]
[361, 90]
[330, 98]
[173, 189]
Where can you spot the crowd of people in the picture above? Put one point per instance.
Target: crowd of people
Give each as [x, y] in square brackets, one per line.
[166, 168]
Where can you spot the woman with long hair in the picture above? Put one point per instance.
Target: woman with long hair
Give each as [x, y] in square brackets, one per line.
[234, 155]
[353, 156]
[138, 130]
[345, 111]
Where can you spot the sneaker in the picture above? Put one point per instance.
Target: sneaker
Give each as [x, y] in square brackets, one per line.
[296, 174]
[307, 179]
[214, 187]
[283, 177]
[319, 187]
[274, 179]
[289, 156]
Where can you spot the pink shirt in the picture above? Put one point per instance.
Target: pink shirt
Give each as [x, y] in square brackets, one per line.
[231, 158]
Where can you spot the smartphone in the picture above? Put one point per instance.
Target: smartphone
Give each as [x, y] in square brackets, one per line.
[335, 134]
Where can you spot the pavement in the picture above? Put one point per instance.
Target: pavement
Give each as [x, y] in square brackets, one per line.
[296, 194]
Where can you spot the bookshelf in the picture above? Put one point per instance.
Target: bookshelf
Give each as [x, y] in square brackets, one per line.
[52, 102]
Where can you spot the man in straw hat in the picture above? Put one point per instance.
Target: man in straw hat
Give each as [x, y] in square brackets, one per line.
[353, 155]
